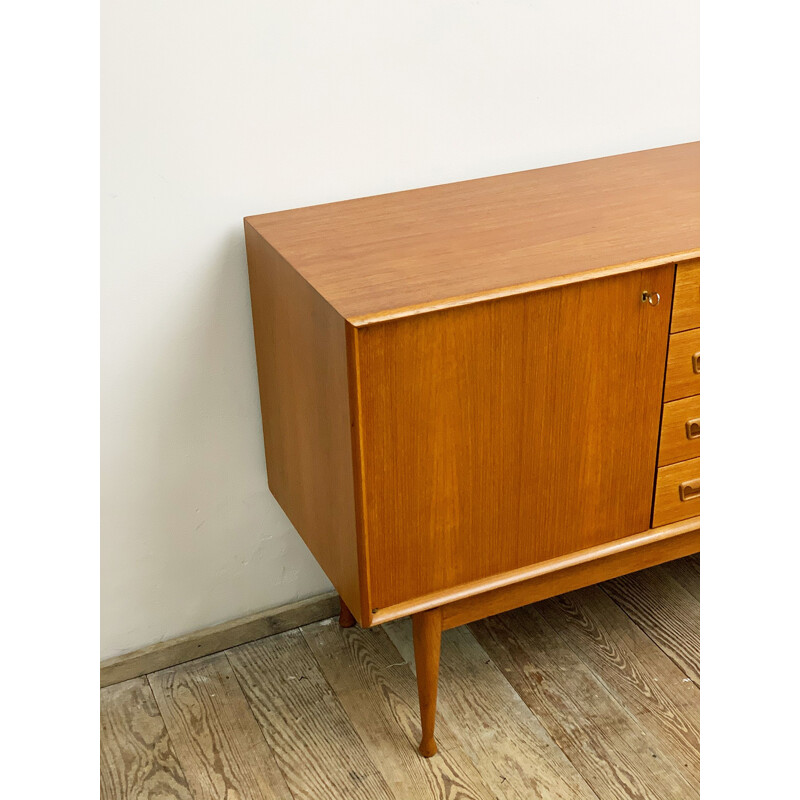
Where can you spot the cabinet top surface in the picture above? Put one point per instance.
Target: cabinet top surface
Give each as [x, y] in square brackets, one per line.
[403, 253]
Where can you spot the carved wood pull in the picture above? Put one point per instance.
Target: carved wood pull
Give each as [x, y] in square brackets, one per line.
[693, 428]
[696, 363]
[689, 490]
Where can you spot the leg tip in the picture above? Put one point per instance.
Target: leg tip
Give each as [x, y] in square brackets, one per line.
[346, 619]
[428, 749]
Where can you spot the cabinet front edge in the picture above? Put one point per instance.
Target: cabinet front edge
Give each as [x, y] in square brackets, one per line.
[540, 570]
[364, 614]
[523, 288]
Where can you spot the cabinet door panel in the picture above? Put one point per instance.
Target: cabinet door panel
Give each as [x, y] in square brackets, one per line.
[504, 433]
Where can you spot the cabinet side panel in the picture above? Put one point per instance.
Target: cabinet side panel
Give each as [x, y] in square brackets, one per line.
[303, 384]
[505, 433]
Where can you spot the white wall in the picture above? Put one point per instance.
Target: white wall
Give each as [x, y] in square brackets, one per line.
[214, 110]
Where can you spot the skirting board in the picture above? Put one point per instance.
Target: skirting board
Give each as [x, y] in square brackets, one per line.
[219, 637]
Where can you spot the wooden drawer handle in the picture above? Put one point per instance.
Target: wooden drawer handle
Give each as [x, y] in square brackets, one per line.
[689, 490]
[693, 428]
[696, 363]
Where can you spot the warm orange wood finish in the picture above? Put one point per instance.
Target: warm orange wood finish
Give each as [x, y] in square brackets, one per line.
[680, 431]
[608, 561]
[686, 301]
[305, 412]
[671, 502]
[462, 386]
[683, 366]
[600, 555]
[427, 647]
[484, 424]
[346, 618]
[402, 253]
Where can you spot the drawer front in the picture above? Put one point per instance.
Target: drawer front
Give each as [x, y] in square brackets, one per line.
[680, 431]
[686, 299]
[677, 492]
[683, 365]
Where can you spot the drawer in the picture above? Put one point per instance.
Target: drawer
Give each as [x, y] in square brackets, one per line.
[680, 431]
[686, 298]
[677, 492]
[683, 365]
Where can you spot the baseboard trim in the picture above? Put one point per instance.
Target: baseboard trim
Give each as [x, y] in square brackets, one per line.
[218, 637]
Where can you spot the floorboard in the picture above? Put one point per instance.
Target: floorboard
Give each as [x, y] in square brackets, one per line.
[309, 732]
[687, 572]
[378, 692]
[597, 733]
[665, 611]
[216, 738]
[593, 695]
[137, 760]
[513, 751]
[655, 692]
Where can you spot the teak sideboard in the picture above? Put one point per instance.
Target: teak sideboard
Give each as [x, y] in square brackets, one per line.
[482, 394]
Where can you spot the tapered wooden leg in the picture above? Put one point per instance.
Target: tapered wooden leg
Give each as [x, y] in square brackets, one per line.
[346, 618]
[427, 646]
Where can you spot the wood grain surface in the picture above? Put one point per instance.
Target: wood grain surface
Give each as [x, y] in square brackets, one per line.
[378, 257]
[562, 574]
[306, 727]
[611, 750]
[215, 734]
[686, 299]
[427, 628]
[656, 692]
[515, 754]
[481, 426]
[137, 759]
[681, 379]
[667, 505]
[599, 706]
[674, 445]
[667, 611]
[654, 548]
[686, 571]
[378, 692]
[301, 352]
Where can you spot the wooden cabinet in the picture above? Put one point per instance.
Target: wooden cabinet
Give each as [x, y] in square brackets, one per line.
[471, 393]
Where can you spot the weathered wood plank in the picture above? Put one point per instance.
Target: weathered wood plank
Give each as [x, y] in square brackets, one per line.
[686, 571]
[214, 733]
[137, 760]
[312, 739]
[614, 754]
[379, 694]
[636, 671]
[665, 611]
[513, 752]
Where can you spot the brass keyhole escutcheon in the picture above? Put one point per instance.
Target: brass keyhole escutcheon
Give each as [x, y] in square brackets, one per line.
[653, 298]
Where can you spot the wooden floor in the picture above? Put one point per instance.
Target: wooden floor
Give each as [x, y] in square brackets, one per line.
[594, 694]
